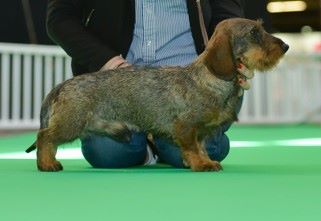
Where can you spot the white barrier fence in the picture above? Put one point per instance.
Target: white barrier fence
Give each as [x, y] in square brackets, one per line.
[291, 93]
[27, 74]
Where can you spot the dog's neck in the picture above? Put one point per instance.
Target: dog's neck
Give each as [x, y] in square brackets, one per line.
[226, 72]
[203, 76]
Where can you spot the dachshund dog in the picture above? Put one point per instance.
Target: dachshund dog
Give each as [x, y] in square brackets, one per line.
[185, 104]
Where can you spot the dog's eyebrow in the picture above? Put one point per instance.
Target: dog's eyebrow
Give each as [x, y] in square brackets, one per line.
[246, 28]
[260, 21]
[256, 25]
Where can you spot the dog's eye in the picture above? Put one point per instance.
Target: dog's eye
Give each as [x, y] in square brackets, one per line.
[255, 34]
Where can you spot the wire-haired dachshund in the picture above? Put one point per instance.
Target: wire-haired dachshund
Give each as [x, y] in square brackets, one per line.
[185, 104]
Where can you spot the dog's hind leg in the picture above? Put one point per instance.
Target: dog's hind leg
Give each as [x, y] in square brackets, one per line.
[46, 151]
[60, 130]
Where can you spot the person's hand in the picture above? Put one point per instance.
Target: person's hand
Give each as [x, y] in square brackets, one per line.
[243, 76]
[115, 62]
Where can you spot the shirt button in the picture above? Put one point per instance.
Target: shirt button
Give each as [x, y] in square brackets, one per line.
[149, 43]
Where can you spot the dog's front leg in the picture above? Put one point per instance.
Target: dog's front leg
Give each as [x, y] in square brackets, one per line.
[192, 152]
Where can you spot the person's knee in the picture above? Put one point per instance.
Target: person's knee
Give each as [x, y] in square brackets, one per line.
[169, 153]
[218, 147]
[104, 152]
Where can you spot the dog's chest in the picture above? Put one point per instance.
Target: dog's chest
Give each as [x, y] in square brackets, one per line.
[222, 104]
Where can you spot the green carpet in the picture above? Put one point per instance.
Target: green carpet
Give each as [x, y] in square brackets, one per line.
[269, 182]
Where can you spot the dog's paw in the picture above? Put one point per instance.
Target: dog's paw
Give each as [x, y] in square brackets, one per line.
[53, 166]
[208, 165]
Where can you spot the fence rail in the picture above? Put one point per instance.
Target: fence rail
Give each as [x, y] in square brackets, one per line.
[27, 74]
[291, 93]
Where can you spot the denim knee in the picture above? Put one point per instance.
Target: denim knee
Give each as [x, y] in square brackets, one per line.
[217, 147]
[168, 152]
[104, 152]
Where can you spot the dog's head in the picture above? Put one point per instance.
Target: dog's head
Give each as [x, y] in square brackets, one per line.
[239, 40]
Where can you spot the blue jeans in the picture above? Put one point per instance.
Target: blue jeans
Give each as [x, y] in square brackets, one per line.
[104, 152]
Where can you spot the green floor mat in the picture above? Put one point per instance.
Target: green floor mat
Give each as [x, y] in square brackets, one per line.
[266, 182]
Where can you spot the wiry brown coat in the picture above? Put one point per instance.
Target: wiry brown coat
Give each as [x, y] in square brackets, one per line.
[185, 104]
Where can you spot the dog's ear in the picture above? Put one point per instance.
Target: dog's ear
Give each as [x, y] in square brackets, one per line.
[218, 56]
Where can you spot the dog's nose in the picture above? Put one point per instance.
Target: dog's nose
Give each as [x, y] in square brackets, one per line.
[285, 47]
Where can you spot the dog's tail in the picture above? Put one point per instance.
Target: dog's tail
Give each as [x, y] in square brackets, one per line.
[31, 148]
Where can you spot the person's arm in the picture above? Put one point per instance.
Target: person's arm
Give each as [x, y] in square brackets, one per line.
[223, 9]
[65, 27]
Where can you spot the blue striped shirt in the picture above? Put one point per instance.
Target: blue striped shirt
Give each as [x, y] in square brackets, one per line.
[162, 34]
